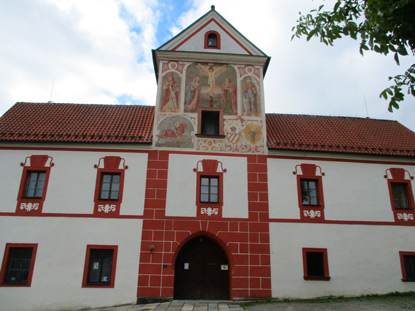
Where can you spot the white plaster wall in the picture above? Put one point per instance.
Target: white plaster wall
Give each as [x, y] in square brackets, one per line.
[11, 172]
[352, 191]
[72, 181]
[181, 186]
[60, 259]
[362, 259]
[197, 42]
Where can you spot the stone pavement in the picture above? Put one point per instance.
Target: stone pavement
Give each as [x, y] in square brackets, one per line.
[176, 306]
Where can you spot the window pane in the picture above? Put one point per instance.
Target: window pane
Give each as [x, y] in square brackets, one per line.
[106, 178]
[204, 198]
[409, 262]
[18, 265]
[214, 198]
[214, 181]
[204, 181]
[315, 264]
[114, 195]
[105, 195]
[204, 189]
[400, 195]
[100, 266]
[214, 190]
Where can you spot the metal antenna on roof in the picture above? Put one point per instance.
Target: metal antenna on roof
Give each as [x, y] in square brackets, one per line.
[367, 113]
[51, 90]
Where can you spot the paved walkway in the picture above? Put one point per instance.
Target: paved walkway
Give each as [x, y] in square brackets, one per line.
[177, 306]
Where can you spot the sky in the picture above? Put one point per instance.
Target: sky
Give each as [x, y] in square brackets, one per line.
[99, 52]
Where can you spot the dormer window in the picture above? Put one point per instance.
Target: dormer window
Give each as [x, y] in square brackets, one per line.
[212, 40]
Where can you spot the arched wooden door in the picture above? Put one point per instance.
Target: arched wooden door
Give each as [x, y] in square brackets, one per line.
[201, 271]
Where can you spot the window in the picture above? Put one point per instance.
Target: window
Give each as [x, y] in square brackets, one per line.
[110, 186]
[100, 266]
[400, 195]
[210, 122]
[18, 264]
[212, 40]
[407, 266]
[315, 264]
[309, 194]
[209, 189]
[35, 184]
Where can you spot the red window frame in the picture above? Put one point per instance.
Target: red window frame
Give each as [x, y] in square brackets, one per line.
[309, 212]
[326, 276]
[401, 257]
[209, 168]
[6, 258]
[33, 205]
[218, 43]
[109, 165]
[114, 248]
[401, 176]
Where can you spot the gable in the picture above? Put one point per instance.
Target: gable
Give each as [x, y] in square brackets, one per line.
[193, 38]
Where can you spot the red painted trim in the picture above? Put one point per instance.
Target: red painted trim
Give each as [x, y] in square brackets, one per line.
[325, 260]
[398, 175]
[217, 47]
[308, 212]
[5, 261]
[111, 164]
[113, 268]
[38, 163]
[5, 214]
[203, 26]
[401, 254]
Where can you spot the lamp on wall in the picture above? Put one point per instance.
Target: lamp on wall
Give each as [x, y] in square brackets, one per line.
[151, 248]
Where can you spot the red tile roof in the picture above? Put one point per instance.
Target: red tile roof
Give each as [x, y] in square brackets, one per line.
[77, 123]
[339, 134]
[84, 123]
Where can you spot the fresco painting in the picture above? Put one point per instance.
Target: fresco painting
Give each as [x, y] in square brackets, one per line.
[170, 93]
[211, 86]
[250, 97]
[175, 131]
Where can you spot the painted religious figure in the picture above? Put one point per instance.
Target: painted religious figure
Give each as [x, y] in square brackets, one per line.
[208, 86]
[175, 131]
[229, 95]
[170, 98]
[250, 98]
[193, 93]
[211, 72]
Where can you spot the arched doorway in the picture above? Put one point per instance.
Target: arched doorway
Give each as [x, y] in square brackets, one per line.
[201, 271]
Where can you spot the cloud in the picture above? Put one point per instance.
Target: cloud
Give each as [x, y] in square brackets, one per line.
[99, 51]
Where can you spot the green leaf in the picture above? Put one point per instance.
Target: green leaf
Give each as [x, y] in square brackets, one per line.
[336, 6]
[311, 34]
[396, 58]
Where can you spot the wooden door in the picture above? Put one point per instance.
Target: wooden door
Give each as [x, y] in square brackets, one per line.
[201, 271]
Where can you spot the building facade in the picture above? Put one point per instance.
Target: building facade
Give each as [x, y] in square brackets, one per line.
[204, 196]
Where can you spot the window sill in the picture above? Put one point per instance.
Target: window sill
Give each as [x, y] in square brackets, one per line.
[317, 278]
[408, 280]
[98, 285]
[210, 136]
[4, 284]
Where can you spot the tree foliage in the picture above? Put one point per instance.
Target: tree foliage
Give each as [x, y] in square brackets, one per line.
[383, 26]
